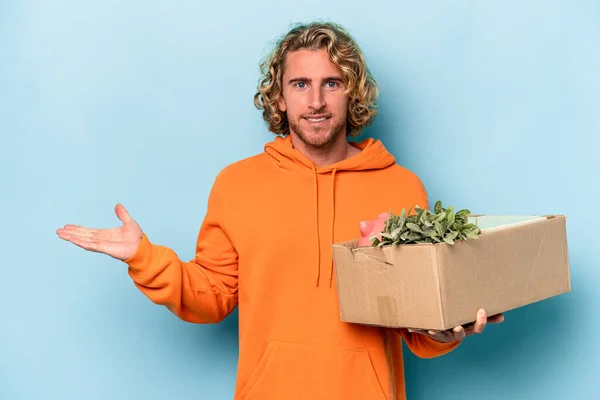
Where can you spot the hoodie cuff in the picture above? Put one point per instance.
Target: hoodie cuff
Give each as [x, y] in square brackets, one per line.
[440, 347]
[140, 261]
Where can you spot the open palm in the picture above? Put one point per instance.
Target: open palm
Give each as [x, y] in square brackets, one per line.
[120, 243]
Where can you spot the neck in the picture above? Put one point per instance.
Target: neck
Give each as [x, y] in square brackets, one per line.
[337, 150]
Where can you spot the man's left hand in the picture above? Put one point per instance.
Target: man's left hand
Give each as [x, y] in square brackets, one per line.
[462, 331]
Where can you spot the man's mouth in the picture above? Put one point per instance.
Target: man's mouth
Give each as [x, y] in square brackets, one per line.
[317, 119]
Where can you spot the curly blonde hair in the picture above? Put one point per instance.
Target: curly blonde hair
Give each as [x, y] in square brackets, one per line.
[344, 53]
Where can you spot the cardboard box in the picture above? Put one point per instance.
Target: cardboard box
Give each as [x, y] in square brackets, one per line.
[516, 261]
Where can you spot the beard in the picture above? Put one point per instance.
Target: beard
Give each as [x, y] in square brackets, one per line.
[318, 137]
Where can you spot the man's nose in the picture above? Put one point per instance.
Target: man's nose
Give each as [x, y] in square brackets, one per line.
[317, 100]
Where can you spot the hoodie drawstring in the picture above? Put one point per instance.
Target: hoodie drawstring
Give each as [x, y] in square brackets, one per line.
[317, 224]
[332, 221]
[316, 186]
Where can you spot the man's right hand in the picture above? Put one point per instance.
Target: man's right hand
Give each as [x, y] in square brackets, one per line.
[120, 243]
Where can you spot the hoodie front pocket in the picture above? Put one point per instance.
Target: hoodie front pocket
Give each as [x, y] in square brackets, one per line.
[295, 371]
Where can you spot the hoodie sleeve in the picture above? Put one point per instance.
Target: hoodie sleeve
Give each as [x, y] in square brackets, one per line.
[203, 290]
[423, 346]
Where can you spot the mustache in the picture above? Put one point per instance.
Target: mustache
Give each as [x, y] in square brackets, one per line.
[320, 115]
[321, 112]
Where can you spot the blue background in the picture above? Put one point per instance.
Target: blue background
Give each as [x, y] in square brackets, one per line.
[495, 105]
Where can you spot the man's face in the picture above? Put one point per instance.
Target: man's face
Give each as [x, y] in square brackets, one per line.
[313, 98]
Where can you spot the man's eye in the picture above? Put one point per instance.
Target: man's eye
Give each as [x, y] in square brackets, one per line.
[332, 83]
[300, 84]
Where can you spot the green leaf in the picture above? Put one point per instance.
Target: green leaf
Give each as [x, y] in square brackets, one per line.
[414, 227]
[451, 216]
[414, 236]
[388, 223]
[402, 219]
[462, 219]
[429, 232]
[423, 217]
[440, 217]
[463, 213]
[439, 228]
[430, 216]
[471, 226]
[452, 235]
[472, 235]
[448, 240]
[438, 207]
[436, 239]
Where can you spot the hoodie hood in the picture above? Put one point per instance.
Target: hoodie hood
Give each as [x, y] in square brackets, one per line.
[373, 156]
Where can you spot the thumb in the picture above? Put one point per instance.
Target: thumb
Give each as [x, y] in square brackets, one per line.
[122, 214]
[364, 227]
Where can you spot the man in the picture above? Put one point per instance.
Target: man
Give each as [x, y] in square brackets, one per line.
[265, 243]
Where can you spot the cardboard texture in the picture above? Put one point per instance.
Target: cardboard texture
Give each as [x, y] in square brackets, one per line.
[516, 261]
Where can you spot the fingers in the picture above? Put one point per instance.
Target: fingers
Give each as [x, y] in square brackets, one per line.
[429, 332]
[85, 243]
[480, 323]
[462, 331]
[75, 230]
[496, 319]
[459, 333]
[122, 214]
[450, 335]
[425, 332]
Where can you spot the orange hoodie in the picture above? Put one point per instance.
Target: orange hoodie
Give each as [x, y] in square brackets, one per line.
[265, 246]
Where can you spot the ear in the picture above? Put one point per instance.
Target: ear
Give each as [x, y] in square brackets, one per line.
[281, 104]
